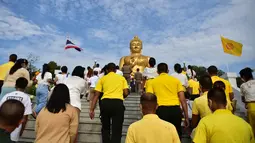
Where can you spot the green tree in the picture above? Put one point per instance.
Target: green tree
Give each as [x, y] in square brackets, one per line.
[32, 59]
[53, 66]
[201, 70]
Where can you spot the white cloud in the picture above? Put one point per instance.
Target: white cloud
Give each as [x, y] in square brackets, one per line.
[172, 31]
[15, 28]
[46, 42]
[103, 34]
[203, 47]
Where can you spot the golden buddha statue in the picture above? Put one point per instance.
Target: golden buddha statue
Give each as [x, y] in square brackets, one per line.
[135, 59]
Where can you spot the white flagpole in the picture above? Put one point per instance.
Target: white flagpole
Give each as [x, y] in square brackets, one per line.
[227, 66]
[67, 36]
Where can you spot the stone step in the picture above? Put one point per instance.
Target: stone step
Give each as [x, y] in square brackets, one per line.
[86, 127]
[85, 137]
[133, 99]
[127, 112]
[128, 108]
[82, 121]
[135, 104]
[90, 130]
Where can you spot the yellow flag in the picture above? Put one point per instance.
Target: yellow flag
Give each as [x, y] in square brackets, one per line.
[231, 47]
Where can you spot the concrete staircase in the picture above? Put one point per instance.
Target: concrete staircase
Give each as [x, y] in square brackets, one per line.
[90, 130]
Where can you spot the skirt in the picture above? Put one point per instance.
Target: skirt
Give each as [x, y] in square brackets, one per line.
[6, 90]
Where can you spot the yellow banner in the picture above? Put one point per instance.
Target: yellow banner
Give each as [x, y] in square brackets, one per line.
[231, 47]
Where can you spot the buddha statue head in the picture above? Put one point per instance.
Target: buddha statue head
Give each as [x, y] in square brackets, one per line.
[136, 45]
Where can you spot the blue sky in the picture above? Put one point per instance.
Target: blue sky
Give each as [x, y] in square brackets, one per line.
[172, 30]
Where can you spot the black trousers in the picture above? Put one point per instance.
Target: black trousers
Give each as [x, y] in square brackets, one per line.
[1, 84]
[171, 114]
[112, 111]
[194, 96]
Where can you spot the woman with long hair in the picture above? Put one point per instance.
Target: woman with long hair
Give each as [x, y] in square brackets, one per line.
[58, 121]
[18, 70]
[87, 86]
[90, 73]
[44, 80]
[190, 72]
[76, 86]
[247, 91]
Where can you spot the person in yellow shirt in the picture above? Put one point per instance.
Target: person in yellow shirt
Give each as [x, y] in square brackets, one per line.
[213, 71]
[115, 89]
[151, 129]
[222, 126]
[4, 68]
[200, 107]
[193, 89]
[169, 92]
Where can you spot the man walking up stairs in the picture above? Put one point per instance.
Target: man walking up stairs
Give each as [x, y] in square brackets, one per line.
[90, 130]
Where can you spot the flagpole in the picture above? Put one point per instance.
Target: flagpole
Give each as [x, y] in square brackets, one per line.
[227, 67]
[67, 36]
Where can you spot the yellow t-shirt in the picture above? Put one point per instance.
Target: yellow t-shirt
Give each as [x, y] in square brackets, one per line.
[228, 89]
[194, 85]
[166, 88]
[223, 127]
[151, 129]
[148, 82]
[227, 84]
[183, 72]
[200, 106]
[112, 86]
[4, 68]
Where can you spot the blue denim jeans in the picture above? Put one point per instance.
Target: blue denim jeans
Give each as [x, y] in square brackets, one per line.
[6, 90]
[42, 92]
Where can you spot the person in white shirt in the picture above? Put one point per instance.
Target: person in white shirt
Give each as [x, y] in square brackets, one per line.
[247, 91]
[76, 86]
[178, 74]
[118, 71]
[60, 78]
[92, 83]
[21, 84]
[97, 68]
[103, 72]
[190, 72]
[150, 72]
[44, 80]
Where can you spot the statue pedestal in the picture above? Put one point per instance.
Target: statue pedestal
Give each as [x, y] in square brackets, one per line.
[240, 107]
[231, 77]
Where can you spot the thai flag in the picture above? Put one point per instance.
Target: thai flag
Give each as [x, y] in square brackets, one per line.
[70, 45]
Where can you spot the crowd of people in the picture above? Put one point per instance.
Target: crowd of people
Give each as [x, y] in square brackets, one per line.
[163, 102]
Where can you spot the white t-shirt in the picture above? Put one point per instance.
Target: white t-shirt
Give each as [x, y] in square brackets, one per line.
[93, 81]
[150, 72]
[61, 78]
[190, 74]
[97, 69]
[183, 78]
[45, 79]
[101, 75]
[119, 72]
[25, 99]
[76, 86]
[247, 90]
